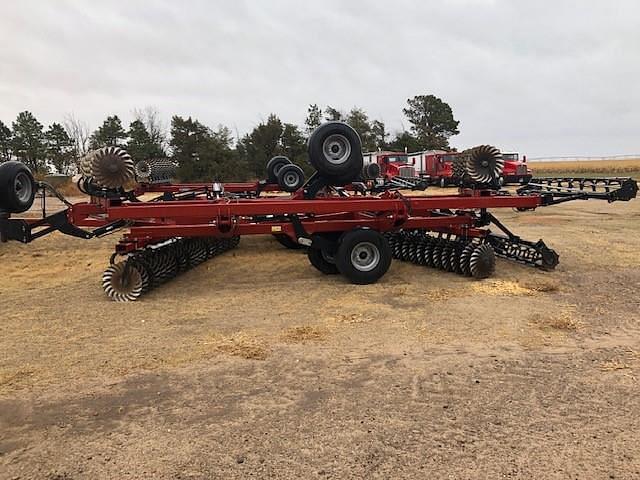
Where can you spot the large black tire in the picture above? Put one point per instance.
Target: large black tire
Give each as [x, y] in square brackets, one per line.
[335, 151]
[290, 178]
[323, 261]
[371, 171]
[17, 187]
[363, 256]
[287, 242]
[273, 167]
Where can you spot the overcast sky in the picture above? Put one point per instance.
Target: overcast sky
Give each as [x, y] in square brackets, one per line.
[541, 77]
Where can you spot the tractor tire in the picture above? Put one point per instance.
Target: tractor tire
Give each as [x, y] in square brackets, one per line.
[363, 256]
[290, 178]
[287, 242]
[273, 167]
[371, 171]
[323, 261]
[335, 151]
[17, 187]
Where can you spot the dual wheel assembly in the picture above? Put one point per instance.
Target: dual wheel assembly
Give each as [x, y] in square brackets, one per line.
[288, 176]
[362, 255]
[335, 152]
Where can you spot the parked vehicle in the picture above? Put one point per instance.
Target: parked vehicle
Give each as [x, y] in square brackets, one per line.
[392, 164]
[516, 170]
[437, 165]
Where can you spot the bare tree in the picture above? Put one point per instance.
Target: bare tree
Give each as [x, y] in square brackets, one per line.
[150, 116]
[79, 133]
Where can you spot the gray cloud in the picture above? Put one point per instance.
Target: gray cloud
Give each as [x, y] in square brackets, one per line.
[545, 78]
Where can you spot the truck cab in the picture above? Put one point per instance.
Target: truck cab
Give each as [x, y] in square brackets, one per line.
[392, 164]
[515, 169]
[435, 164]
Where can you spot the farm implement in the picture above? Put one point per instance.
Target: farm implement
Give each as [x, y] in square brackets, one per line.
[348, 225]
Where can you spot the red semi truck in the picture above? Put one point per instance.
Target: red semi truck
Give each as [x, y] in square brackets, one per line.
[392, 164]
[516, 170]
[438, 166]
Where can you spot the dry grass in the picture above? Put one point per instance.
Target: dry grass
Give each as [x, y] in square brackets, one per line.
[354, 318]
[304, 334]
[239, 345]
[614, 365]
[501, 287]
[564, 320]
[628, 167]
[440, 294]
[542, 286]
[13, 377]
[69, 189]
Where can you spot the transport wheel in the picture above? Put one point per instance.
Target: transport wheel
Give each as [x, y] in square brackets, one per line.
[371, 171]
[363, 256]
[17, 187]
[290, 178]
[273, 167]
[287, 242]
[323, 261]
[443, 182]
[335, 151]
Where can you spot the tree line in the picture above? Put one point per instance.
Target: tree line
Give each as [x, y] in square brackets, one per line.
[205, 153]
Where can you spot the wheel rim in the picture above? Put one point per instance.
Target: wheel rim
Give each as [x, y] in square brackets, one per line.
[336, 149]
[365, 256]
[327, 257]
[290, 179]
[23, 187]
[278, 166]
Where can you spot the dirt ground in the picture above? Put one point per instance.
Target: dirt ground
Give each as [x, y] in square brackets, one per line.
[256, 365]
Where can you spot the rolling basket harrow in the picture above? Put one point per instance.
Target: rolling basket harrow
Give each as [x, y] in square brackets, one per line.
[348, 225]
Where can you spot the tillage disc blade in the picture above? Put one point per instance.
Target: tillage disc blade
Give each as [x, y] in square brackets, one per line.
[112, 167]
[122, 282]
[465, 258]
[482, 262]
[485, 164]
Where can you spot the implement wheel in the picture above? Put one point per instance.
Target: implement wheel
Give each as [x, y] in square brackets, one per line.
[363, 256]
[323, 261]
[17, 187]
[335, 151]
[273, 167]
[290, 178]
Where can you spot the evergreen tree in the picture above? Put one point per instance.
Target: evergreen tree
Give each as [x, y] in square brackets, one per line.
[358, 119]
[293, 145]
[140, 145]
[314, 118]
[5, 142]
[203, 154]
[27, 142]
[432, 121]
[261, 145]
[60, 149]
[405, 141]
[188, 141]
[331, 114]
[380, 135]
[109, 134]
